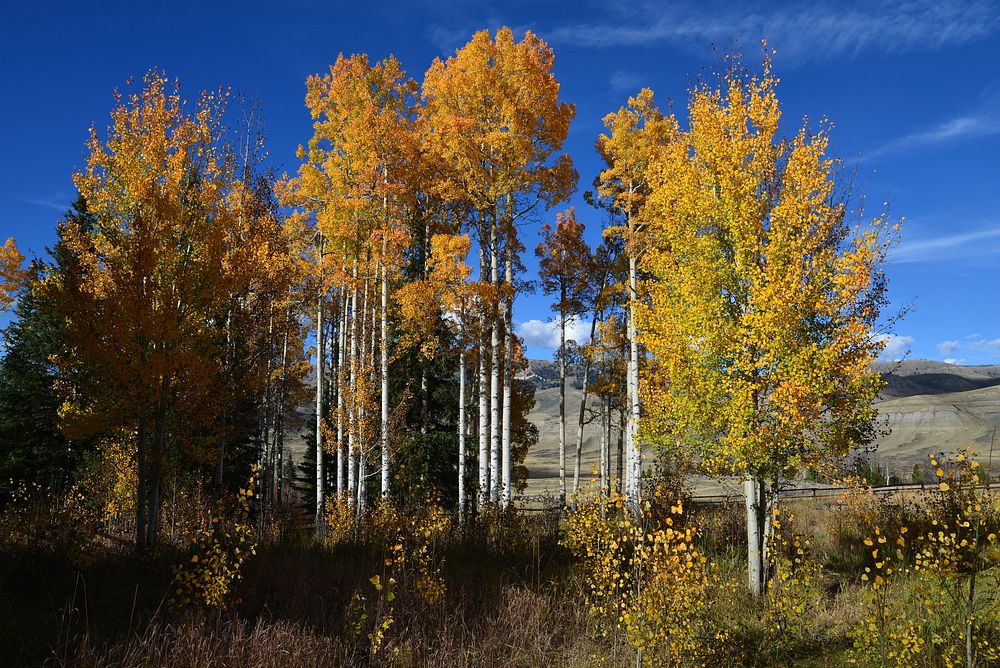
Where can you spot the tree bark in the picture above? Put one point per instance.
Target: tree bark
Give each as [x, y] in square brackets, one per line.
[621, 450]
[494, 365]
[319, 400]
[583, 412]
[341, 382]
[633, 471]
[562, 397]
[605, 449]
[484, 404]
[384, 370]
[461, 421]
[352, 411]
[364, 354]
[508, 378]
[760, 501]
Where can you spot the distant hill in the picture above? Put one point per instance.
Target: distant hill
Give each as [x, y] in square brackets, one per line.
[916, 377]
[926, 407]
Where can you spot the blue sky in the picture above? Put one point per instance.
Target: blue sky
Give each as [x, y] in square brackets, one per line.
[912, 87]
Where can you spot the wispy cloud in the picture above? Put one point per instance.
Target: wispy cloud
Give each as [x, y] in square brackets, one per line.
[545, 334]
[58, 202]
[949, 247]
[896, 347]
[625, 82]
[948, 347]
[952, 360]
[957, 129]
[986, 345]
[804, 32]
[449, 39]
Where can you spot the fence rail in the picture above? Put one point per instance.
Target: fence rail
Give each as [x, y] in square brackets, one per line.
[796, 493]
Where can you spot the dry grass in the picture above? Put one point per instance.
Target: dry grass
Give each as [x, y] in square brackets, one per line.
[512, 598]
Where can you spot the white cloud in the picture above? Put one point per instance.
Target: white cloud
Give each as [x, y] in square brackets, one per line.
[545, 334]
[948, 347]
[948, 247]
[57, 202]
[976, 343]
[964, 127]
[802, 32]
[896, 347]
[449, 39]
[952, 360]
[990, 346]
[625, 82]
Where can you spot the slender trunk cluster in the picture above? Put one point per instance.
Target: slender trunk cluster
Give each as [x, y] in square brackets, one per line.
[495, 347]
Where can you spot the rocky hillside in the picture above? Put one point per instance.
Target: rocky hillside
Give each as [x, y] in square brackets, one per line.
[926, 407]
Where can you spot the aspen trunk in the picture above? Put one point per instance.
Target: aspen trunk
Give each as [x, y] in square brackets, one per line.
[633, 471]
[341, 381]
[280, 432]
[583, 411]
[605, 460]
[484, 405]
[754, 556]
[364, 353]
[760, 500]
[461, 422]
[508, 379]
[494, 366]
[562, 399]
[264, 458]
[352, 416]
[621, 450]
[384, 370]
[319, 410]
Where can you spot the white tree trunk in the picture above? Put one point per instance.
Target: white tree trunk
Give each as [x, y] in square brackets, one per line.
[352, 384]
[319, 400]
[633, 462]
[461, 420]
[494, 368]
[341, 381]
[562, 403]
[583, 411]
[367, 356]
[384, 369]
[484, 401]
[605, 448]
[508, 379]
[760, 502]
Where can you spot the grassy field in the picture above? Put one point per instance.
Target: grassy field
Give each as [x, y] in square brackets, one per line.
[414, 589]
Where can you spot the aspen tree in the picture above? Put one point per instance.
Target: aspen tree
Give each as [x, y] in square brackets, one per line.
[633, 132]
[450, 276]
[140, 355]
[599, 269]
[763, 298]
[565, 271]
[11, 274]
[496, 130]
[352, 182]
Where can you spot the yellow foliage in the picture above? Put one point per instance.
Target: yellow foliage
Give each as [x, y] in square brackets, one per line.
[762, 295]
[218, 554]
[649, 582]
[11, 274]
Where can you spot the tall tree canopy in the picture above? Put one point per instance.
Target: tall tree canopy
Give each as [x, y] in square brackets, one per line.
[763, 297]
